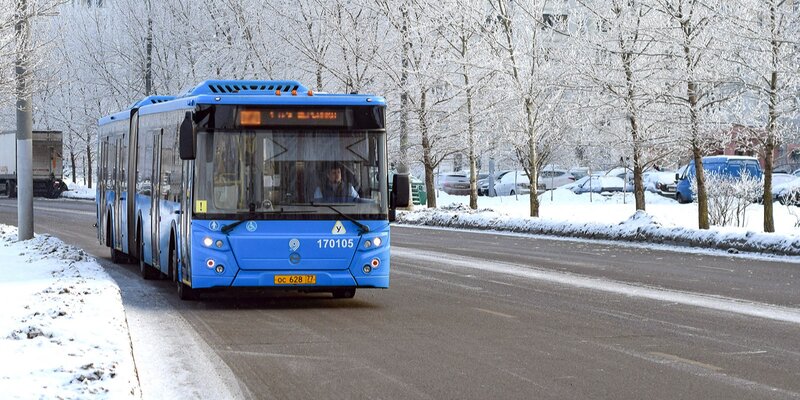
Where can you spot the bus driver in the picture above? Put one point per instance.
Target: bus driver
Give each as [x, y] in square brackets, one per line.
[335, 189]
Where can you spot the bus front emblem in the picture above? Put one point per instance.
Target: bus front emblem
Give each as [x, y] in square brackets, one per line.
[294, 258]
[294, 244]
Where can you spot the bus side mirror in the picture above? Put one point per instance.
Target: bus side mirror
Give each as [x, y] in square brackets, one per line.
[401, 191]
[677, 177]
[188, 140]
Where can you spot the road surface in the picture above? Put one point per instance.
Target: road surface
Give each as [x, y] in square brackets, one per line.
[473, 315]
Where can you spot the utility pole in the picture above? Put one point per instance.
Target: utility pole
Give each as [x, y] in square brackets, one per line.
[24, 125]
[148, 68]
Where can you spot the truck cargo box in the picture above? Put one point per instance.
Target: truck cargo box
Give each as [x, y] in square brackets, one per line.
[47, 147]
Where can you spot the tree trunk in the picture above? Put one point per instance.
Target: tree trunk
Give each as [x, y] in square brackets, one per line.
[533, 159]
[702, 195]
[638, 186]
[89, 165]
[473, 167]
[427, 158]
[769, 151]
[72, 165]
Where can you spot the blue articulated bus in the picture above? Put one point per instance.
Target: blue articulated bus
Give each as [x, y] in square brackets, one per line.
[250, 184]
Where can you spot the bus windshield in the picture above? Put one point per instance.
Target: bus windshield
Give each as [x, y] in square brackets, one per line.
[275, 173]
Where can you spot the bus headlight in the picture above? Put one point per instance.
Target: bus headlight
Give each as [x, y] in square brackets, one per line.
[377, 241]
[207, 241]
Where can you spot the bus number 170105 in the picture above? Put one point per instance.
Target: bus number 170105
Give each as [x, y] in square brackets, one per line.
[335, 243]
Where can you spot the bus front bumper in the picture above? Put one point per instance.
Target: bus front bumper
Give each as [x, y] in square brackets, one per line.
[282, 279]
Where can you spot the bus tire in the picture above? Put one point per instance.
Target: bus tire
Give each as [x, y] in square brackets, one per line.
[117, 257]
[146, 271]
[184, 291]
[348, 293]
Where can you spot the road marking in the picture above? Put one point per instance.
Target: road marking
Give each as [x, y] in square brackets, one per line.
[672, 357]
[715, 268]
[745, 353]
[55, 210]
[499, 314]
[714, 302]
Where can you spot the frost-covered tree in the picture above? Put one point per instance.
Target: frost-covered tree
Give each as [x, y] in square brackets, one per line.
[471, 73]
[423, 79]
[617, 61]
[701, 78]
[525, 42]
[767, 41]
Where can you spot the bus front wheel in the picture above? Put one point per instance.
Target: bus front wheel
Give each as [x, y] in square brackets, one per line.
[184, 291]
[348, 293]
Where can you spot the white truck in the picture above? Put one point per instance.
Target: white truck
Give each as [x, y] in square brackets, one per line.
[47, 163]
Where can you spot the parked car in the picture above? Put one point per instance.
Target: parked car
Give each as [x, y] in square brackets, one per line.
[729, 166]
[456, 183]
[483, 184]
[653, 181]
[551, 177]
[598, 184]
[788, 192]
[579, 172]
[779, 178]
[796, 172]
[512, 183]
[626, 174]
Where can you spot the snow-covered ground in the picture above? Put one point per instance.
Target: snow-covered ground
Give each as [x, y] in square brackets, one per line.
[63, 333]
[79, 191]
[595, 216]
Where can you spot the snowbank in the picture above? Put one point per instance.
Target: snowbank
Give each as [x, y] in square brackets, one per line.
[641, 227]
[63, 332]
[79, 191]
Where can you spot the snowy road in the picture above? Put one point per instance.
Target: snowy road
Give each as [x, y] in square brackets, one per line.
[480, 316]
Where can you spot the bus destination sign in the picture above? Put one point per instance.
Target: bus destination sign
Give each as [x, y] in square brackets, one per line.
[291, 117]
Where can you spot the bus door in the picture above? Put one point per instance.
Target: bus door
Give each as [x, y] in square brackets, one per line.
[102, 180]
[155, 197]
[184, 236]
[119, 165]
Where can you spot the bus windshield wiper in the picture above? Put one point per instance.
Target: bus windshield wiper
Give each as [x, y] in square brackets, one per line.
[362, 229]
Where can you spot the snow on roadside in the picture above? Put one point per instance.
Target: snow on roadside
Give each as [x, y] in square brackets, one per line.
[63, 332]
[640, 227]
[79, 191]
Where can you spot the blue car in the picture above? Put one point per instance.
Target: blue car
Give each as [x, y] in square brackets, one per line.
[729, 166]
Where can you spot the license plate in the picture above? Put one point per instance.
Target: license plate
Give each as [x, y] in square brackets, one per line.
[295, 279]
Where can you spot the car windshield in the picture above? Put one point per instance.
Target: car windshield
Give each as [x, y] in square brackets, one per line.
[271, 172]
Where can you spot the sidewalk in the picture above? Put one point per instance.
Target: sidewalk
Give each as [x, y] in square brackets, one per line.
[63, 332]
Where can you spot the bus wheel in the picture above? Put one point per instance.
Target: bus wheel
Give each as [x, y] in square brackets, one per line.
[184, 291]
[147, 272]
[348, 293]
[116, 256]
